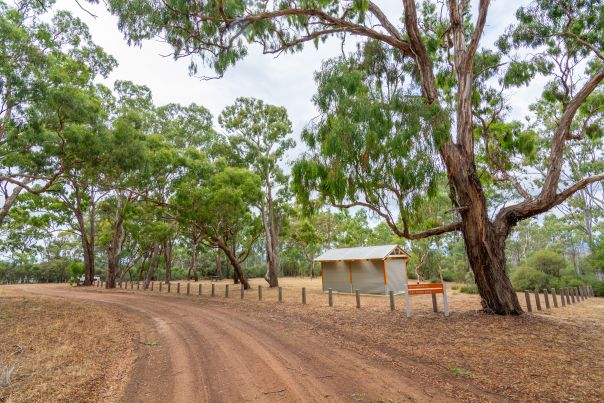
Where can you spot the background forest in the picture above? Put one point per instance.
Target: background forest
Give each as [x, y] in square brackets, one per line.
[102, 181]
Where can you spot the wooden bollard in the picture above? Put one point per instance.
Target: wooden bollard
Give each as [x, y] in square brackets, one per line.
[199, 290]
[358, 296]
[152, 285]
[591, 291]
[280, 293]
[169, 287]
[546, 298]
[562, 297]
[178, 288]
[567, 293]
[537, 300]
[160, 285]
[528, 301]
[242, 291]
[391, 294]
[578, 292]
[330, 296]
[188, 288]
[303, 295]
[138, 285]
[555, 298]
[434, 303]
[213, 290]
[259, 293]
[572, 295]
[226, 290]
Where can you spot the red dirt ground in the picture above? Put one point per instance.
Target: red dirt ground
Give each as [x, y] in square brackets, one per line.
[218, 349]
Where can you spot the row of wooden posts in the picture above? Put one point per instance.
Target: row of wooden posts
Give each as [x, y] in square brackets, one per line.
[567, 296]
[279, 293]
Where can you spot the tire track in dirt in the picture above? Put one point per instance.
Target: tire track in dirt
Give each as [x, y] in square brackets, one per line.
[209, 352]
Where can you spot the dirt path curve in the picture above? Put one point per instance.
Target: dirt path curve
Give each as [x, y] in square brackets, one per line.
[198, 350]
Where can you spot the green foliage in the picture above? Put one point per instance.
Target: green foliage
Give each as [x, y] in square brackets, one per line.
[75, 268]
[548, 262]
[527, 278]
[469, 289]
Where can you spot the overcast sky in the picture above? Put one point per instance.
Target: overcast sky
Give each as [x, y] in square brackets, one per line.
[286, 80]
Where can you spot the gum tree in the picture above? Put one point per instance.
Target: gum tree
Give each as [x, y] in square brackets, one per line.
[457, 91]
[258, 137]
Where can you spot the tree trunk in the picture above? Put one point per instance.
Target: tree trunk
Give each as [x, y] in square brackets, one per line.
[218, 263]
[193, 267]
[485, 246]
[167, 250]
[236, 265]
[115, 247]
[271, 222]
[87, 249]
[152, 266]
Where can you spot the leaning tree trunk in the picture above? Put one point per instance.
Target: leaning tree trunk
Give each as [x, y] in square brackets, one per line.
[236, 266]
[152, 266]
[485, 246]
[87, 249]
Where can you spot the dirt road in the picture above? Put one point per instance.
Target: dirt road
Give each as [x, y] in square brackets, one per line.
[198, 350]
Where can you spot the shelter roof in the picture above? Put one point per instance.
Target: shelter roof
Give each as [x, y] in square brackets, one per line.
[362, 253]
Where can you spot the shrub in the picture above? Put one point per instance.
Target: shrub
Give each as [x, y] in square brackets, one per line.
[548, 262]
[469, 289]
[526, 278]
[598, 287]
[448, 275]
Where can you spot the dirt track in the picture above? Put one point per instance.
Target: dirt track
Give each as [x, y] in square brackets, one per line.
[196, 350]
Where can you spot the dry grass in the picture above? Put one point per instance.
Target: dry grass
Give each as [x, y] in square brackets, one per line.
[555, 354]
[58, 350]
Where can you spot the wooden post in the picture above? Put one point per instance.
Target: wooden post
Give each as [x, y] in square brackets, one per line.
[445, 300]
[213, 290]
[555, 298]
[434, 304]
[120, 283]
[199, 290]
[567, 293]
[330, 297]
[160, 284]
[259, 293]
[178, 288]
[280, 290]
[226, 290]
[138, 285]
[572, 295]
[391, 294]
[188, 288]
[303, 295]
[528, 301]
[407, 304]
[537, 300]
[358, 295]
[242, 291]
[562, 298]
[546, 298]
[591, 291]
[152, 285]
[578, 292]
[169, 287]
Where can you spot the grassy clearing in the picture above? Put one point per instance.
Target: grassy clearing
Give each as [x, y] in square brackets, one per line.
[58, 350]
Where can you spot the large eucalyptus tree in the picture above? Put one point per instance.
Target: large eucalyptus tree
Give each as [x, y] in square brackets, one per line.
[454, 93]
